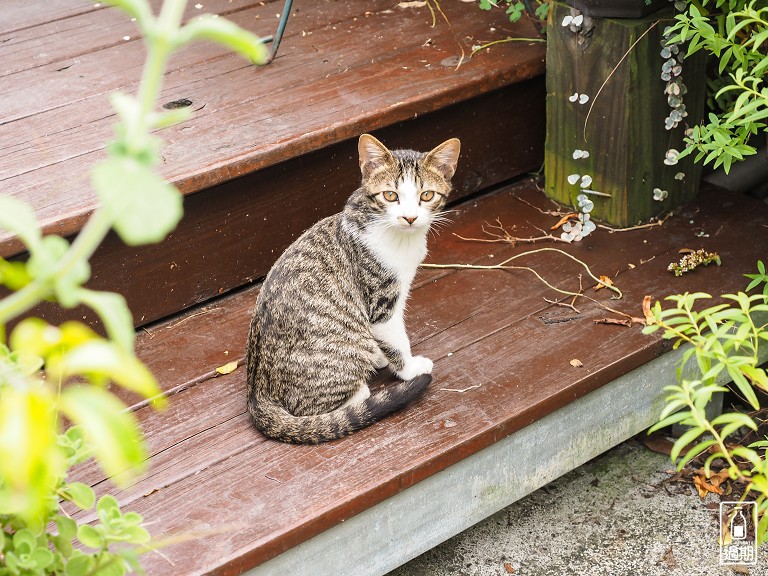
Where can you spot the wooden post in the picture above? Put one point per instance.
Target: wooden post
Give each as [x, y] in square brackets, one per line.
[612, 68]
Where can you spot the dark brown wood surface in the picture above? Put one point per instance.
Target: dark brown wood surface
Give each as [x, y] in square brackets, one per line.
[502, 357]
[344, 68]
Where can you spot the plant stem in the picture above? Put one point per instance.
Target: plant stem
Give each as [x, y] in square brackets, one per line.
[160, 33]
[81, 250]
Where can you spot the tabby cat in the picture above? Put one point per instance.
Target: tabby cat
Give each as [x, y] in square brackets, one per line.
[330, 311]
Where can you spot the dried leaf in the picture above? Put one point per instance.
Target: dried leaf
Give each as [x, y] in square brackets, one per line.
[705, 485]
[228, 368]
[658, 444]
[649, 317]
[719, 478]
[702, 487]
[576, 363]
[604, 282]
[615, 321]
[509, 568]
[563, 220]
[411, 4]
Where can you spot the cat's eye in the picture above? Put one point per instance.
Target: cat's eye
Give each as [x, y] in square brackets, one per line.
[427, 195]
[390, 196]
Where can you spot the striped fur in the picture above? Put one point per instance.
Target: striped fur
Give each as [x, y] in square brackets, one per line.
[331, 309]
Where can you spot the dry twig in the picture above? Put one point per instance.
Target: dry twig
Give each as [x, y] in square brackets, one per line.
[659, 222]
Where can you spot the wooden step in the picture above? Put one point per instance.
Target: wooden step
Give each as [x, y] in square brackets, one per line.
[270, 150]
[506, 413]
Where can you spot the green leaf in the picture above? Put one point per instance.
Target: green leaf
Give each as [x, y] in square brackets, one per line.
[80, 564]
[108, 508]
[113, 433]
[42, 558]
[75, 446]
[171, 117]
[38, 338]
[744, 386]
[135, 535]
[24, 541]
[66, 526]
[757, 376]
[747, 454]
[14, 275]
[144, 207]
[89, 536]
[114, 313]
[685, 439]
[18, 218]
[695, 451]
[673, 419]
[81, 494]
[226, 33]
[100, 360]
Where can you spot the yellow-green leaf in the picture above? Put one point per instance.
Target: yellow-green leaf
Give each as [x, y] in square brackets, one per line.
[100, 360]
[112, 431]
[31, 462]
[228, 368]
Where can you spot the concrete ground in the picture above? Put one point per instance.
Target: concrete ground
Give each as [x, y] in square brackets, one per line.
[610, 517]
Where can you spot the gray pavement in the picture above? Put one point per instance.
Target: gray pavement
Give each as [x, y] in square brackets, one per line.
[610, 517]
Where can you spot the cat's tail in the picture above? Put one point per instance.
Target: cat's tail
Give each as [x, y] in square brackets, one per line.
[276, 422]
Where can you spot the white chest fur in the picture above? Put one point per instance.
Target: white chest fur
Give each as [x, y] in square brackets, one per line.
[400, 251]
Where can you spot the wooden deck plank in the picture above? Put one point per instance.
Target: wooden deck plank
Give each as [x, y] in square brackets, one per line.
[19, 14]
[76, 28]
[241, 129]
[282, 495]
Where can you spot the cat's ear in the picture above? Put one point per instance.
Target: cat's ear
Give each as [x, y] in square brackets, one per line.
[444, 157]
[373, 154]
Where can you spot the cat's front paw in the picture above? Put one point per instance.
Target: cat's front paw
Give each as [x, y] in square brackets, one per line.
[415, 367]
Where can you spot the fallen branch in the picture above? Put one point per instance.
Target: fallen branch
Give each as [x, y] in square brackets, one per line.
[461, 390]
[505, 266]
[477, 49]
[505, 237]
[540, 210]
[659, 222]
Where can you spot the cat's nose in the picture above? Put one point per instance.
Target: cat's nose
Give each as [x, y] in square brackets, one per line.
[410, 219]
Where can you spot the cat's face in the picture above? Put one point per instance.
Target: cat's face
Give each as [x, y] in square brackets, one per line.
[407, 189]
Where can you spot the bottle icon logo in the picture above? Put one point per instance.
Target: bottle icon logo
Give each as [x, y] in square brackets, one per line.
[739, 526]
[738, 533]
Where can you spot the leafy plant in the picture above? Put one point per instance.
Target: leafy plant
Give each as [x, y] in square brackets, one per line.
[516, 8]
[735, 33]
[39, 361]
[726, 339]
